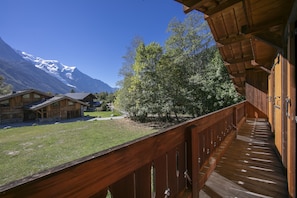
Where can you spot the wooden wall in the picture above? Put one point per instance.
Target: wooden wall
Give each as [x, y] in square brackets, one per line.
[257, 91]
[14, 112]
[274, 95]
[282, 106]
[291, 102]
[62, 110]
[278, 99]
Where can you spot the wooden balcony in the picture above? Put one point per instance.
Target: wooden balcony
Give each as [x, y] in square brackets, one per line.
[186, 160]
[249, 167]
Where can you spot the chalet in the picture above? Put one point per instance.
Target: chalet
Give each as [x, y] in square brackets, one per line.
[11, 105]
[86, 98]
[245, 150]
[57, 108]
[32, 105]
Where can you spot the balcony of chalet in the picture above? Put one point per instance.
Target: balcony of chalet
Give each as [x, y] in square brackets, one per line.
[228, 153]
[245, 150]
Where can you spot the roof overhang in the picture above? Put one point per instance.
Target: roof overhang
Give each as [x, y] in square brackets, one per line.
[248, 33]
[42, 104]
[20, 93]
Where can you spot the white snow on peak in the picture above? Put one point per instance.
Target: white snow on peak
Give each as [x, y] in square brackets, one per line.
[53, 67]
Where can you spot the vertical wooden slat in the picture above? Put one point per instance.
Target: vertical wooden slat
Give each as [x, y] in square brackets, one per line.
[172, 170]
[101, 194]
[188, 157]
[143, 182]
[181, 167]
[123, 187]
[271, 100]
[160, 167]
[208, 144]
[195, 165]
[235, 117]
[201, 149]
[212, 139]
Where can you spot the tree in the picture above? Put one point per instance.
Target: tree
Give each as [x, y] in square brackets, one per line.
[4, 88]
[212, 86]
[129, 58]
[184, 49]
[187, 76]
[123, 99]
[144, 87]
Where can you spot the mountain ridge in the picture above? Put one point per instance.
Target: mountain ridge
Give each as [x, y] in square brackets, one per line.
[25, 71]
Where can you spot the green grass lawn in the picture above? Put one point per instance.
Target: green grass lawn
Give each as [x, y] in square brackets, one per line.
[103, 114]
[27, 150]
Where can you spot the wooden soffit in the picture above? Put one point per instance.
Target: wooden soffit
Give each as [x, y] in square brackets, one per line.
[248, 33]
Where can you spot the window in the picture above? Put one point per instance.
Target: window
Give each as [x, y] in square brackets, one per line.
[56, 104]
[4, 103]
[70, 103]
[26, 96]
[36, 96]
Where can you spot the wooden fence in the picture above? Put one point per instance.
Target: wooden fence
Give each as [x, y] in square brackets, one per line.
[163, 164]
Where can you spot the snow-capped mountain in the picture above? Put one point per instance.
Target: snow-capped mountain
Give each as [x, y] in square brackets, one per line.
[52, 67]
[25, 71]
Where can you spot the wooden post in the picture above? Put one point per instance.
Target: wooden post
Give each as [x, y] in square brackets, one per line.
[235, 121]
[195, 162]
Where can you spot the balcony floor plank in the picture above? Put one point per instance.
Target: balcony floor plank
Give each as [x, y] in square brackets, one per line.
[250, 167]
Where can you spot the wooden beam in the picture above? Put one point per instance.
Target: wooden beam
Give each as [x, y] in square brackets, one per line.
[194, 7]
[222, 6]
[247, 12]
[233, 39]
[240, 90]
[271, 25]
[248, 33]
[237, 75]
[239, 83]
[267, 32]
[240, 87]
[265, 69]
[269, 39]
[238, 60]
[185, 8]
[256, 65]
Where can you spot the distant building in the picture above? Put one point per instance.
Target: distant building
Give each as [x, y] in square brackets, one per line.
[34, 105]
[86, 98]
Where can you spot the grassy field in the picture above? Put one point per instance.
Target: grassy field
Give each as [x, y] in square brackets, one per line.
[27, 150]
[102, 114]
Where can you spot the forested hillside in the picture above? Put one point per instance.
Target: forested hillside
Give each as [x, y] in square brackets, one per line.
[184, 77]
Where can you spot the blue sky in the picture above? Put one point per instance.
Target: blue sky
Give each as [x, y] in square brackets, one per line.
[92, 35]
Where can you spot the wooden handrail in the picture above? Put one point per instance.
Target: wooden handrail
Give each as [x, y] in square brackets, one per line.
[162, 163]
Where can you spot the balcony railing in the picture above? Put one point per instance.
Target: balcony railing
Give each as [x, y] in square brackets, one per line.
[164, 164]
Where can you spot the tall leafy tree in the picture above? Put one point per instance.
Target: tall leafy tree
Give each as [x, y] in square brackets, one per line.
[213, 87]
[129, 58]
[123, 99]
[184, 48]
[187, 76]
[144, 87]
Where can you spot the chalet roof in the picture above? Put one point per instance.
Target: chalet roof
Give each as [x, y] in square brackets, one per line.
[20, 93]
[44, 103]
[79, 96]
[248, 33]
